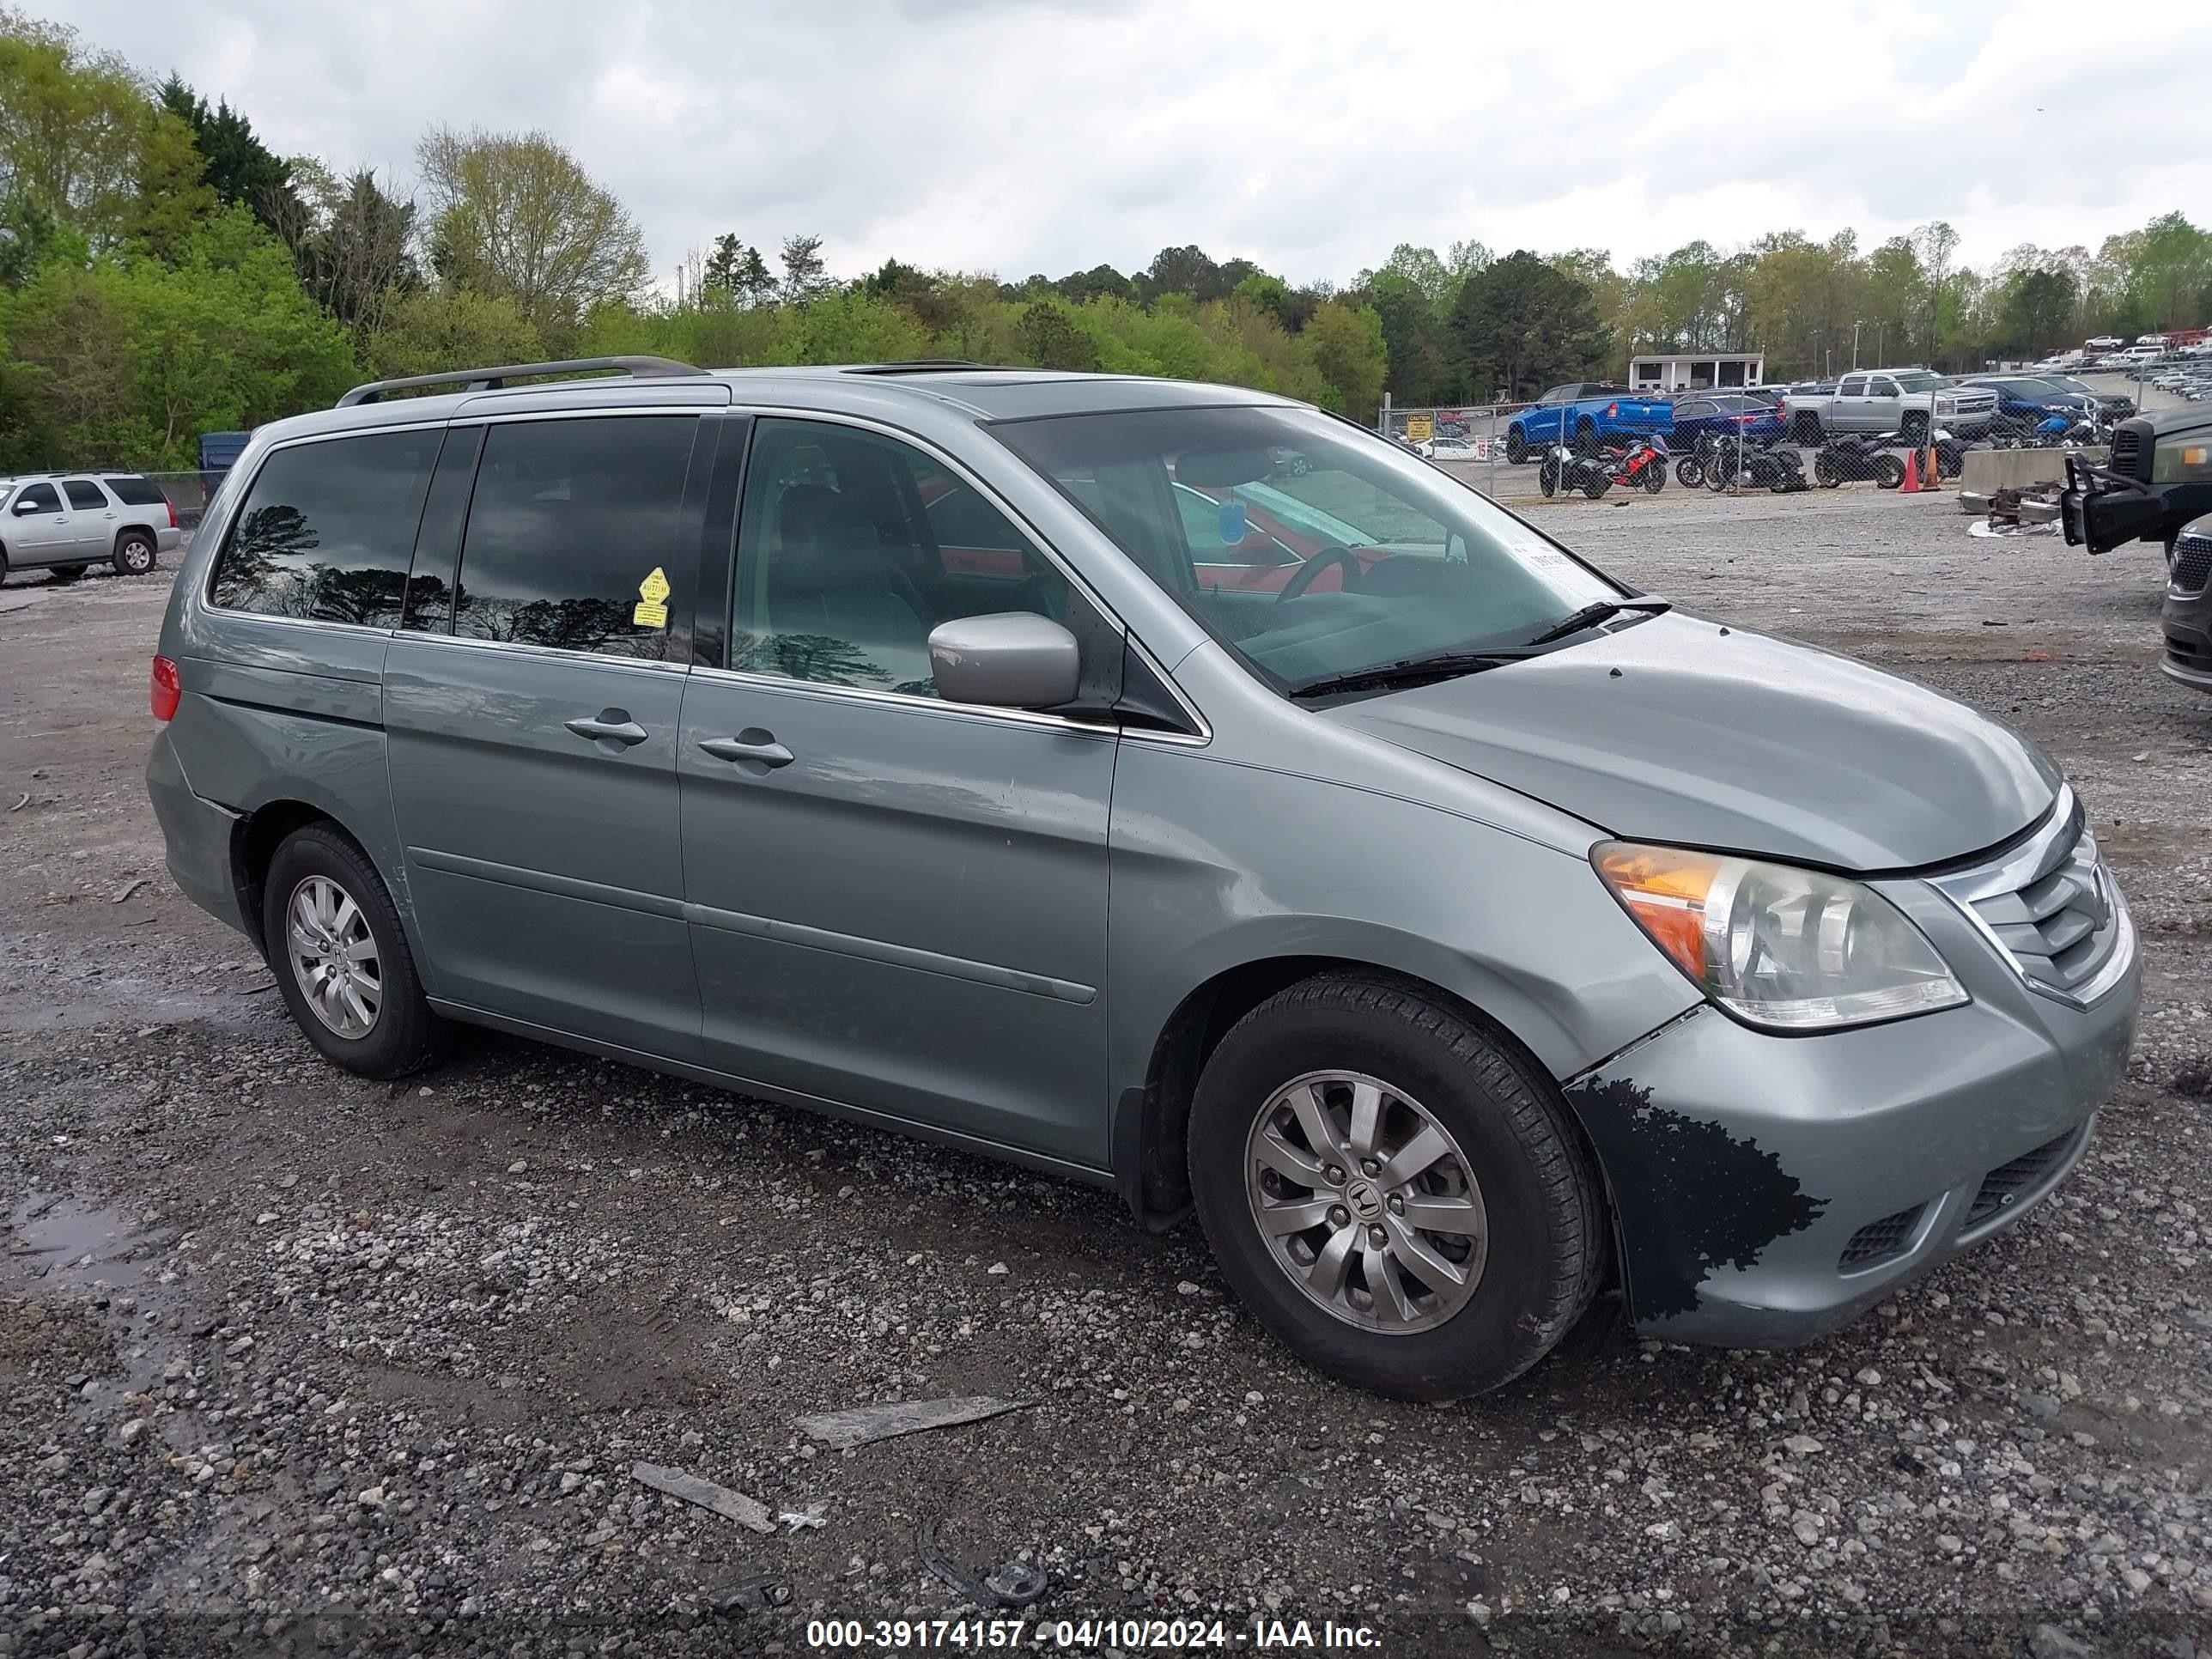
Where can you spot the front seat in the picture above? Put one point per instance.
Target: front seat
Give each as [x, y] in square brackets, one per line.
[839, 610]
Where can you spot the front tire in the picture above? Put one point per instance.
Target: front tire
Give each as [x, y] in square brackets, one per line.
[1391, 1190]
[1516, 446]
[134, 554]
[340, 958]
[1688, 473]
[1888, 472]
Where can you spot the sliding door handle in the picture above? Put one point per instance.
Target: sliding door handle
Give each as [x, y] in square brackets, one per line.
[613, 723]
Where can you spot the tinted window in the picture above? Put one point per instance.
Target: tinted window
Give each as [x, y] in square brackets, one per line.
[137, 492]
[83, 494]
[327, 530]
[41, 496]
[851, 547]
[570, 522]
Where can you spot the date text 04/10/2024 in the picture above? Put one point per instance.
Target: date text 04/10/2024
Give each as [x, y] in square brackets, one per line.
[1081, 1634]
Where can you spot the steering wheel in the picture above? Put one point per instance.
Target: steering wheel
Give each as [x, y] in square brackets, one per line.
[1304, 577]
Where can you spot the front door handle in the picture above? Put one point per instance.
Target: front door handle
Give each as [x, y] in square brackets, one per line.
[754, 744]
[613, 723]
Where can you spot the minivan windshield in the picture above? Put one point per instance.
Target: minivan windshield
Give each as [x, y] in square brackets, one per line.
[1393, 563]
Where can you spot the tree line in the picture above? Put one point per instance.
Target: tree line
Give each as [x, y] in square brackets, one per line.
[164, 273]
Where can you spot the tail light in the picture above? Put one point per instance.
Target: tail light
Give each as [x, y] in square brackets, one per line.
[172, 506]
[166, 691]
[1613, 411]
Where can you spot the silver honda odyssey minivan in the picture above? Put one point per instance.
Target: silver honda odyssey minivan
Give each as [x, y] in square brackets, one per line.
[1170, 786]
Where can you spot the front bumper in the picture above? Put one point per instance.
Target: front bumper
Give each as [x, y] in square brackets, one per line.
[2186, 623]
[1769, 1189]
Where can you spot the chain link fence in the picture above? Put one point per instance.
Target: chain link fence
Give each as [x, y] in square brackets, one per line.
[188, 494]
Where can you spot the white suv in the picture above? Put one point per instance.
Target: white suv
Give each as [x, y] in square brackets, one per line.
[69, 522]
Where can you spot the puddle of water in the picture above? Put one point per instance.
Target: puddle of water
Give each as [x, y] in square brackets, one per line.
[66, 1241]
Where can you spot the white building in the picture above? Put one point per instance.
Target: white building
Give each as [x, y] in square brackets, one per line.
[1696, 371]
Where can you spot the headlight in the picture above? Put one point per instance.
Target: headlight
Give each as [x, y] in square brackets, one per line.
[2185, 460]
[1788, 949]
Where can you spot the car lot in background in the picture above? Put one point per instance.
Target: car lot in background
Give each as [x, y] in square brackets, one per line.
[1706, 416]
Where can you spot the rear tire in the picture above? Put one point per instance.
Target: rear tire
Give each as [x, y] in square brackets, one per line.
[1888, 472]
[1688, 473]
[1547, 478]
[359, 929]
[1825, 472]
[67, 573]
[1594, 484]
[1434, 1312]
[1516, 446]
[134, 553]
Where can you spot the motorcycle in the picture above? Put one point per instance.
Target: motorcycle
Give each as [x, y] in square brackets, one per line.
[1643, 465]
[1849, 456]
[1768, 463]
[1563, 470]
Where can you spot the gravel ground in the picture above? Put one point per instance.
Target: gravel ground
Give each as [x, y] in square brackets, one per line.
[291, 1362]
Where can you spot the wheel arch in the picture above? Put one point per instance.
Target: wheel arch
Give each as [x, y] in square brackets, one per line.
[254, 839]
[1149, 1133]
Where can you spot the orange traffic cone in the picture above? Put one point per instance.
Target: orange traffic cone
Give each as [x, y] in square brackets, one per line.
[1911, 485]
[1935, 473]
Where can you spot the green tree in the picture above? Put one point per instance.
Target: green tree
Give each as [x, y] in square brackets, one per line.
[428, 330]
[84, 150]
[239, 168]
[805, 274]
[1050, 337]
[135, 356]
[1348, 352]
[1521, 324]
[515, 217]
[353, 244]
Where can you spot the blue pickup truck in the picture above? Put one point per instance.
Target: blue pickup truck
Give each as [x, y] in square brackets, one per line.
[1585, 414]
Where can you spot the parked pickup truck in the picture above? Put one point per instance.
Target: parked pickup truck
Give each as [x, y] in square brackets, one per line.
[1891, 400]
[1585, 414]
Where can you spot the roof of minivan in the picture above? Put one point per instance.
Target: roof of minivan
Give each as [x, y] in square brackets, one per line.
[981, 392]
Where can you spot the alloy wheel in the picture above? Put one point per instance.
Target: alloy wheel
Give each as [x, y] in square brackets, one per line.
[1366, 1201]
[333, 957]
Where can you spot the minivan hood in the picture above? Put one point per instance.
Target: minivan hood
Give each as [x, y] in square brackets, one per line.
[1676, 730]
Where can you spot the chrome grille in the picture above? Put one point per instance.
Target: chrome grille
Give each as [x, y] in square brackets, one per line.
[2051, 907]
[2192, 562]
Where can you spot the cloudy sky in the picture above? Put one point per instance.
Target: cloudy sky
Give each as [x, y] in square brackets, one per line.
[1012, 137]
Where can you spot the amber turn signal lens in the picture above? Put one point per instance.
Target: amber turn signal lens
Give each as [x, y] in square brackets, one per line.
[1664, 889]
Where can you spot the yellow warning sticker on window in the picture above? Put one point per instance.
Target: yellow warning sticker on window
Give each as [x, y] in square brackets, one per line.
[650, 610]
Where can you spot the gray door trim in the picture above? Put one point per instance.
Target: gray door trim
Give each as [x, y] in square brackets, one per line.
[898, 956]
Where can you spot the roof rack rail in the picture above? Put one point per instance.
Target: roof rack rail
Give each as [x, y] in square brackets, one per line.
[912, 365]
[491, 379]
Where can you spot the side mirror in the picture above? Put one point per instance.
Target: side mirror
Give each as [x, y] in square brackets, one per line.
[23, 508]
[1009, 659]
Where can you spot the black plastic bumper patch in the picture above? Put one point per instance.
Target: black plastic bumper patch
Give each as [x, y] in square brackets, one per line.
[1690, 1197]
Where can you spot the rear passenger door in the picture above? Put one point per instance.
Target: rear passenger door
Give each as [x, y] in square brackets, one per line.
[92, 518]
[531, 703]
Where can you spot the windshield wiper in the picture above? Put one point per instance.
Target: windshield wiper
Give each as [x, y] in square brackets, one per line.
[1591, 615]
[1409, 672]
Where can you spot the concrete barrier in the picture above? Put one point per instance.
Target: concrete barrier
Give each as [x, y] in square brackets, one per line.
[1989, 471]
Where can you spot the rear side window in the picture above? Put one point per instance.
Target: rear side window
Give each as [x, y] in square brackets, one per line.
[83, 494]
[571, 523]
[137, 492]
[327, 530]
